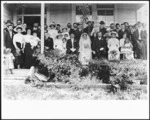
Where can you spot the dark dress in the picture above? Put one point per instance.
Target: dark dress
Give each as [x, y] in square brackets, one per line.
[28, 51]
[19, 56]
[49, 43]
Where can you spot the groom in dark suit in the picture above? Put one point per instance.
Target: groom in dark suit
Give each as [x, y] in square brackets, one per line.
[99, 46]
[72, 44]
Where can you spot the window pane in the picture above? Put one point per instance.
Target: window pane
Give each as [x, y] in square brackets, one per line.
[105, 6]
[109, 12]
[79, 12]
[32, 11]
[101, 12]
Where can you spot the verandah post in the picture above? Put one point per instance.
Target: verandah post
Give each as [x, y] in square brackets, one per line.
[42, 26]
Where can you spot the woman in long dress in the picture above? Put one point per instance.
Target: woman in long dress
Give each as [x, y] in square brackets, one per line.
[85, 51]
[113, 46]
[28, 50]
[19, 42]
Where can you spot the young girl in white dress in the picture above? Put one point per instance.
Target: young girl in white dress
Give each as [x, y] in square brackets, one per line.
[9, 61]
[64, 42]
[127, 50]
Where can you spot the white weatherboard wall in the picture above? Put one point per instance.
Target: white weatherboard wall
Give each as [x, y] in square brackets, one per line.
[8, 13]
[126, 13]
[61, 14]
[142, 14]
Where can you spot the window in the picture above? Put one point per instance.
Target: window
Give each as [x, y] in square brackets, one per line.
[79, 12]
[32, 11]
[105, 12]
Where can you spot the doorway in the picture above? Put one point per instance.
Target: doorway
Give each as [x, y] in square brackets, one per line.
[30, 20]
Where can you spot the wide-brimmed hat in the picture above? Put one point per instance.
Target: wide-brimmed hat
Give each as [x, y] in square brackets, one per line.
[19, 27]
[52, 25]
[8, 21]
[113, 32]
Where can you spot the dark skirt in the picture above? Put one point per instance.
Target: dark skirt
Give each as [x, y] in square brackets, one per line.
[19, 58]
[28, 52]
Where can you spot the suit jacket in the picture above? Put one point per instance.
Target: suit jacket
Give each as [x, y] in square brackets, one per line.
[97, 44]
[136, 35]
[103, 30]
[120, 33]
[8, 40]
[75, 44]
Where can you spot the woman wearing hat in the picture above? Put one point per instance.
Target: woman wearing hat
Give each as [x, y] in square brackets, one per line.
[64, 31]
[19, 42]
[58, 44]
[52, 31]
[113, 46]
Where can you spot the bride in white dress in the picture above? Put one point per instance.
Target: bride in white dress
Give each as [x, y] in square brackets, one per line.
[85, 52]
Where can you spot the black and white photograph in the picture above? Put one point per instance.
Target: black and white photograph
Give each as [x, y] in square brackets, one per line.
[76, 51]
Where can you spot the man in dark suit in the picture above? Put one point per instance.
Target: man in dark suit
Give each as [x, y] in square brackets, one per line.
[72, 44]
[89, 28]
[122, 31]
[8, 38]
[102, 28]
[99, 46]
[138, 39]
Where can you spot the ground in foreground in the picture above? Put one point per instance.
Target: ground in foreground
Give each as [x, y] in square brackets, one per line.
[17, 90]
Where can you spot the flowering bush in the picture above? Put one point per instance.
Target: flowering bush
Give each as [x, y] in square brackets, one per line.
[63, 68]
[67, 69]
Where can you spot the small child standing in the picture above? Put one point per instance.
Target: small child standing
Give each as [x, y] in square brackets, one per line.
[9, 60]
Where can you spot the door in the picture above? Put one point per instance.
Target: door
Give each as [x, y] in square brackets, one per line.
[30, 20]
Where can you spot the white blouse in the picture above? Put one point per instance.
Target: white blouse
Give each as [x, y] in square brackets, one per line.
[27, 38]
[53, 33]
[34, 41]
[18, 38]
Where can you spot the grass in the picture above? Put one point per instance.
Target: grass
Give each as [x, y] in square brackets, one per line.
[21, 91]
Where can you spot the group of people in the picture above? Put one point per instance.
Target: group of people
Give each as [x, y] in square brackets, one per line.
[118, 41]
